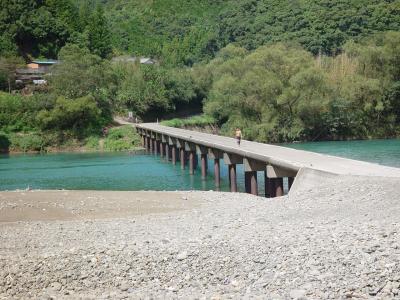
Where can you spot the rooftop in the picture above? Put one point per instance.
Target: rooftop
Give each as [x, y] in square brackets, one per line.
[45, 61]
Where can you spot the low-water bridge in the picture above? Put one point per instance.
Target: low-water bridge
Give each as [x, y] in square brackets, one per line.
[275, 161]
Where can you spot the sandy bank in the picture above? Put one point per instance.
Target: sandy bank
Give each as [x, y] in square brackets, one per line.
[340, 240]
[86, 205]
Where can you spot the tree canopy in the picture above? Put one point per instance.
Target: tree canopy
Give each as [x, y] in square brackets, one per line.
[282, 93]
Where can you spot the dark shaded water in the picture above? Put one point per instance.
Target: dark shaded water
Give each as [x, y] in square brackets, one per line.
[123, 171]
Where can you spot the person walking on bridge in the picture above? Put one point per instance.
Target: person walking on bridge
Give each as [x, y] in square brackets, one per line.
[238, 135]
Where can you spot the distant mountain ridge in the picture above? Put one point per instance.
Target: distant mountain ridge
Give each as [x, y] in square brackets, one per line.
[190, 31]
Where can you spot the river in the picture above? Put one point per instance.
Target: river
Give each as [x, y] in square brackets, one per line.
[124, 171]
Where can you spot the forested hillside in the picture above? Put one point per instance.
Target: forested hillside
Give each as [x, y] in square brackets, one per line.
[319, 26]
[184, 32]
[282, 70]
[177, 32]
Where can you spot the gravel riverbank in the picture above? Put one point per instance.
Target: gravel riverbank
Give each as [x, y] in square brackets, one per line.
[341, 240]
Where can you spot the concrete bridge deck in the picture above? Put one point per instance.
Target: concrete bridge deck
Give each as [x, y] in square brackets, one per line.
[277, 160]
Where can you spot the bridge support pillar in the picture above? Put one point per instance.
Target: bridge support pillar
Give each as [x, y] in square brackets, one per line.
[202, 151]
[191, 162]
[151, 145]
[250, 174]
[216, 155]
[251, 182]
[278, 183]
[267, 186]
[217, 173]
[167, 154]
[232, 178]
[196, 161]
[191, 148]
[155, 148]
[231, 160]
[274, 180]
[147, 146]
[143, 141]
[158, 147]
[173, 154]
[273, 187]
[203, 165]
[162, 149]
[182, 158]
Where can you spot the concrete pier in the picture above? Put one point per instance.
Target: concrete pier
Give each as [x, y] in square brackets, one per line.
[162, 149]
[250, 179]
[217, 173]
[182, 158]
[191, 162]
[173, 154]
[232, 178]
[167, 154]
[203, 166]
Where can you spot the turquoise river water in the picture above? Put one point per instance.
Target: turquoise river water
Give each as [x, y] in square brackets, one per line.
[123, 171]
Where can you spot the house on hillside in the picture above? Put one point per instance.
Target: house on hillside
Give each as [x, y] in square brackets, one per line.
[34, 72]
[43, 64]
[133, 59]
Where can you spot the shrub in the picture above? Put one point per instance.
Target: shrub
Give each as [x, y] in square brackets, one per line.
[198, 121]
[92, 142]
[121, 139]
[80, 115]
[26, 142]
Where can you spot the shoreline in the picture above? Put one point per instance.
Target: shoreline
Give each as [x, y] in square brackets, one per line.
[72, 151]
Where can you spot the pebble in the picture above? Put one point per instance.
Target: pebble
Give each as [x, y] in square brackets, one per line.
[182, 255]
[327, 243]
[297, 294]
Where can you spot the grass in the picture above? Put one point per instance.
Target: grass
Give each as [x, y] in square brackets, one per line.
[93, 143]
[196, 121]
[122, 138]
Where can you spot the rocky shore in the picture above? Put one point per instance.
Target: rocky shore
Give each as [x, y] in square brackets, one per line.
[340, 240]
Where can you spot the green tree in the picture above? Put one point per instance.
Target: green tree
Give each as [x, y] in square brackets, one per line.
[81, 74]
[7, 72]
[142, 89]
[80, 115]
[98, 34]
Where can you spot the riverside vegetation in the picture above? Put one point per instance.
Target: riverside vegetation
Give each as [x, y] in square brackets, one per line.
[281, 70]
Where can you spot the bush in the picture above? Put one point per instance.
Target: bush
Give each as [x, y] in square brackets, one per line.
[79, 115]
[196, 121]
[26, 142]
[121, 139]
[92, 143]
[17, 113]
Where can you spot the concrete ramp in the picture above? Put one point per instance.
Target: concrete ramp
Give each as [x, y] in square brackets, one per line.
[308, 179]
